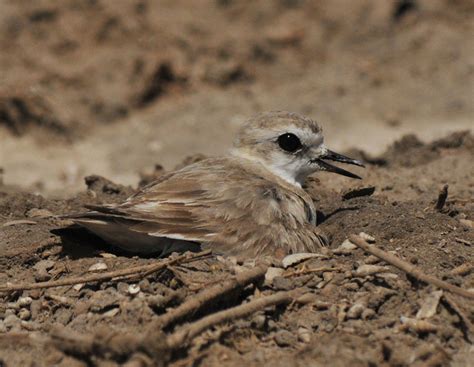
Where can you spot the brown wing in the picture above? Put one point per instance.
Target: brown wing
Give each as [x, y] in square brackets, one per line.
[203, 203]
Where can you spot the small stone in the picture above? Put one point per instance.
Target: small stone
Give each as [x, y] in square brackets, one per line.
[294, 259]
[430, 305]
[107, 255]
[24, 314]
[304, 335]
[345, 248]
[259, 321]
[282, 283]
[367, 314]
[366, 269]
[284, 338]
[145, 286]
[3, 328]
[367, 237]
[24, 301]
[35, 293]
[112, 312]
[355, 311]
[44, 265]
[122, 287]
[39, 213]
[467, 223]
[272, 273]
[133, 289]
[42, 276]
[98, 267]
[10, 321]
[372, 260]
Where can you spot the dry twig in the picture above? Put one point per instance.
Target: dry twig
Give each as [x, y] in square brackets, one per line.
[443, 195]
[136, 270]
[182, 336]
[409, 268]
[195, 303]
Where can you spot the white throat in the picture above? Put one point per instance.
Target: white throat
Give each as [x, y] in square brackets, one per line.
[277, 171]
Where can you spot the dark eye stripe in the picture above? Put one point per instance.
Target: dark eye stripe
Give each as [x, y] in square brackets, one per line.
[289, 142]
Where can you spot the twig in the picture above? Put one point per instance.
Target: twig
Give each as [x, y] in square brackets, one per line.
[142, 269]
[182, 336]
[304, 271]
[409, 268]
[210, 294]
[443, 195]
[464, 318]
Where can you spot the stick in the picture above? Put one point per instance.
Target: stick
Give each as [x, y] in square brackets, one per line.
[443, 195]
[142, 269]
[409, 268]
[181, 337]
[210, 294]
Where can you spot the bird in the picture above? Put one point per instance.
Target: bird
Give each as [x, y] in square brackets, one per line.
[248, 203]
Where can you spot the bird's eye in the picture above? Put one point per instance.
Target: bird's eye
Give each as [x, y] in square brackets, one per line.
[289, 142]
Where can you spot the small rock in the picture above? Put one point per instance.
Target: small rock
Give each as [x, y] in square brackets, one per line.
[419, 326]
[367, 237]
[107, 255]
[24, 314]
[272, 273]
[304, 335]
[77, 287]
[98, 267]
[294, 259]
[367, 314]
[24, 301]
[346, 247]
[284, 338]
[3, 328]
[372, 260]
[122, 287]
[39, 213]
[145, 286]
[10, 321]
[281, 283]
[467, 222]
[355, 311]
[42, 276]
[366, 269]
[133, 289]
[259, 321]
[35, 293]
[112, 312]
[44, 265]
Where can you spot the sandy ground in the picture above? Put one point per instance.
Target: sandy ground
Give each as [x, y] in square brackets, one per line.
[115, 88]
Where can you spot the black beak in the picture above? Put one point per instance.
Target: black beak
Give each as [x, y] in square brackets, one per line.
[332, 156]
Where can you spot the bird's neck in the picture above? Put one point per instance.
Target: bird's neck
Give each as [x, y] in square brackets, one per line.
[277, 172]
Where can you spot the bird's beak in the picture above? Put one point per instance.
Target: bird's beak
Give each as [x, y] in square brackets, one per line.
[332, 156]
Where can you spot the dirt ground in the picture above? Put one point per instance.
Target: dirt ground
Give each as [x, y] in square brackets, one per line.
[93, 89]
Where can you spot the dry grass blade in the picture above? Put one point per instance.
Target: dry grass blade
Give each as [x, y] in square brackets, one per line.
[409, 268]
[136, 270]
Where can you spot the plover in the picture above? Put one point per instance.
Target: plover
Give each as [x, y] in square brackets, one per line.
[248, 203]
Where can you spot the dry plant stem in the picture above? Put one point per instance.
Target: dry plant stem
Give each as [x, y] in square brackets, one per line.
[409, 268]
[136, 270]
[210, 294]
[182, 336]
[464, 318]
[443, 195]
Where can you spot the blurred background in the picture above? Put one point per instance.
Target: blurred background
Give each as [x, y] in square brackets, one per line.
[113, 87]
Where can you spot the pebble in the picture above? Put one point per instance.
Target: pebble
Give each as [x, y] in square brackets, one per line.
[272, 273]
[133, 289]
[346, 247]
[284, 338]
[282, 283]
[367, 237]
[24, 301]
[368, 269]
[467, 222]
[304, 335]
[39, 213]
[259, 321]
[367, 314]
[10, 321]
[355, 311]
[24, 314]
[98, 267]
[294, 259]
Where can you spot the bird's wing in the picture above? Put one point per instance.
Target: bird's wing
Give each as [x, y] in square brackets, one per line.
[212, 201]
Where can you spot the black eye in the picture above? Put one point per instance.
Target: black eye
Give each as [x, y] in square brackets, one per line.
[289, 142]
